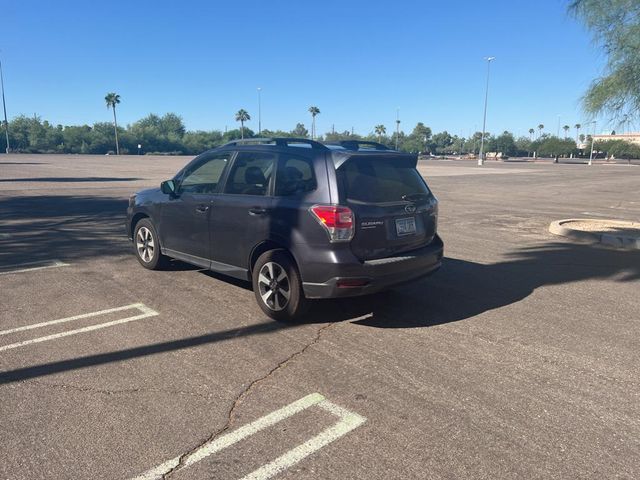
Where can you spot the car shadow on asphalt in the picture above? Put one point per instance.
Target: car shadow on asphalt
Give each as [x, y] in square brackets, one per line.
[463, 289]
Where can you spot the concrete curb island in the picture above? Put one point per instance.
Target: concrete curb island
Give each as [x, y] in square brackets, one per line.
[563, 228]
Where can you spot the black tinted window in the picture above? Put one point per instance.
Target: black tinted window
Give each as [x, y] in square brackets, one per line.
[295, 176]
[375, 180]
[250, 174]
[204, 176]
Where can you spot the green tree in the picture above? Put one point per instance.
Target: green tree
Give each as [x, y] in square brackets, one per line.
[531, 132]
[552, 146]
[113, 99]
[380, 131]
[300, 131]
[313, 111]
[566, 128]
[540, 128]
[577, 126]
[615, 25]
[242, 116]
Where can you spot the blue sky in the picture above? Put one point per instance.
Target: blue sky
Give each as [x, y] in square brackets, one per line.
[356, 60]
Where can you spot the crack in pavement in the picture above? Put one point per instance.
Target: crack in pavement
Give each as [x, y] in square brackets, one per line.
[238, 400]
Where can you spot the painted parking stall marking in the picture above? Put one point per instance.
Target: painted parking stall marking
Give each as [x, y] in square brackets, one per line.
[347, 421]
[143, 312]
[31, 266]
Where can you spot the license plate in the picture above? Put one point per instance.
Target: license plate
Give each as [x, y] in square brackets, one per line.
[405, 226]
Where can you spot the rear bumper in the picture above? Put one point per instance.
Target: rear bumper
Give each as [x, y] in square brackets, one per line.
[355, 278]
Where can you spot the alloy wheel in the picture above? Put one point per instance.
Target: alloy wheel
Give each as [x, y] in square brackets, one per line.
[274, 285]
[145, 244]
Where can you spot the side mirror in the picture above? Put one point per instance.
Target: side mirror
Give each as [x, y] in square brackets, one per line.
[168, 187]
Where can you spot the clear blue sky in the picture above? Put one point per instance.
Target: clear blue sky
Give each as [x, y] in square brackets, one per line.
[356, 60]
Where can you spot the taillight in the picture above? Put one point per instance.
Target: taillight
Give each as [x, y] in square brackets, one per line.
[336, 220]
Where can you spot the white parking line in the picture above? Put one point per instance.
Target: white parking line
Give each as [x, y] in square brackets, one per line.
[70, 319]
[146, 312]
[348, 421]
[36, 266]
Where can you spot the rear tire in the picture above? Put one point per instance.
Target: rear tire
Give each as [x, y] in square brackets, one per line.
[278, 287]
[146, 245]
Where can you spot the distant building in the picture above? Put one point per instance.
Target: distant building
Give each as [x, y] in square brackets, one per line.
[627, 137]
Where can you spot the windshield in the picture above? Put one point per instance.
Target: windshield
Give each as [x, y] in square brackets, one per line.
[378, 180]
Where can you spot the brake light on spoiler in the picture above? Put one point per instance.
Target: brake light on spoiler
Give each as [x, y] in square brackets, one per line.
[336, 220]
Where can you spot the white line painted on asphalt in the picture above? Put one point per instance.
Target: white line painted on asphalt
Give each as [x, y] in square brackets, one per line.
[146, 312]
[24, 267]
[348, 421]
[70, 319]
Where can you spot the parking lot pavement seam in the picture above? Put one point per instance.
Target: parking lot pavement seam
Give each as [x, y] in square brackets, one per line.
[238, 400]
[123, 391]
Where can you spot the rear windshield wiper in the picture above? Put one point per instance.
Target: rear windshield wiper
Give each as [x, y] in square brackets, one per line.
[415, 197]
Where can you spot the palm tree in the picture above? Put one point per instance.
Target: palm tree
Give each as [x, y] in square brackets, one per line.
[540, 127]
[313, 111]
[242, 116]
[112, 99]
[531, 132]
[380, 130]
[577, 126]
[566, 128]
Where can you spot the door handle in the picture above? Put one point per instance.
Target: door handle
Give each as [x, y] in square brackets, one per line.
[202, 208]
[257, 211]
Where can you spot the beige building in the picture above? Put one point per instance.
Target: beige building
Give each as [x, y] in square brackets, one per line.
[627, 137]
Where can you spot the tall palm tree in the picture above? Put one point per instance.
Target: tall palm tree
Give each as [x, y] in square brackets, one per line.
[313, 111]
[577, 126]
[112, 99]
[531, 132]
[380, 130]
[566, 128]
[540, 127]
[242, 116]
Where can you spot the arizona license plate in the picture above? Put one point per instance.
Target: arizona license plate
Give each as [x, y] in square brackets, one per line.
[405, 226]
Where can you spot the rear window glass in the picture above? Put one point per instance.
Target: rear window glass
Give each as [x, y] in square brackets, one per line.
[372, 180]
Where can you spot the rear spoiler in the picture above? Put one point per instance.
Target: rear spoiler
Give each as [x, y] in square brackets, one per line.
[404, 159]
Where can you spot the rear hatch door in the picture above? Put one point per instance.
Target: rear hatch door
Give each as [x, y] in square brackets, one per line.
[394, 209]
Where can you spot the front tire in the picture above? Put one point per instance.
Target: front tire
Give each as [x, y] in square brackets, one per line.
[146, 245]
[278, 287]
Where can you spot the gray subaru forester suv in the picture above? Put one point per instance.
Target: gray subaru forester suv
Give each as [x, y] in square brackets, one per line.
[299, 219]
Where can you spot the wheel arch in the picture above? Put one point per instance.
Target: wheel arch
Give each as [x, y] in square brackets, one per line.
[134, 221]
[266, 246]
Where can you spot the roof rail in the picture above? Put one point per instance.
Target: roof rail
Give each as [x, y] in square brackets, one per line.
[356, 144]
[279, 141]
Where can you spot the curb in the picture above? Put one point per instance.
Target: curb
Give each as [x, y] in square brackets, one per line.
[608, 239]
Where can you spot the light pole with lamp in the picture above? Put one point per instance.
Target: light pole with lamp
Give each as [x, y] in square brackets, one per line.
[592, 141]
[259, 112]
[484, 120]
[397, 126]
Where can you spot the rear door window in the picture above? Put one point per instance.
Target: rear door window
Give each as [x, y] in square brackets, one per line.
[379, 180]
[251, 174]
[295, 176]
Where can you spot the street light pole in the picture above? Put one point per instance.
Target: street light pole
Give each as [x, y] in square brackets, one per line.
[259, 112]
[397, 126]
[4, 107]
[595, 127]
[484, 120]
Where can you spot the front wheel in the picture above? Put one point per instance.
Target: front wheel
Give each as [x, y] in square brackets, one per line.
[277, 286]
[147, 245]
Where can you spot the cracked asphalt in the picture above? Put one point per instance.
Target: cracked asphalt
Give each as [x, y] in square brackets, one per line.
[518, 359]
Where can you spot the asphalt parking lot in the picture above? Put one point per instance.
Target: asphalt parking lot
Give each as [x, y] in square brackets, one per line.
[519, 359]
